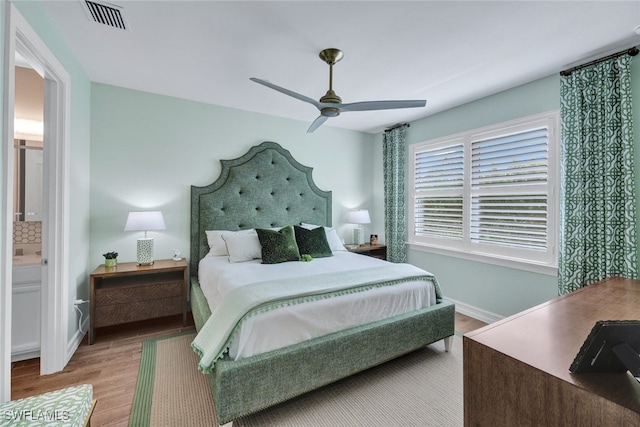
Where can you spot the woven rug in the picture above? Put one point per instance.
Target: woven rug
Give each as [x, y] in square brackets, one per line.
[423, 388]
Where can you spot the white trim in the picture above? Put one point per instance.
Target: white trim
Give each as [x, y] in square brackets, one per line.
[25, 351]
[516, 263]
[55, 297]
[77, 338]
[6, 226]
[475, 312]
[55, 252]
[544, 262]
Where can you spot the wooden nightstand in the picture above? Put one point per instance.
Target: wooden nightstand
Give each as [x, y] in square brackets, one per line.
[130, 292]
[375, 251]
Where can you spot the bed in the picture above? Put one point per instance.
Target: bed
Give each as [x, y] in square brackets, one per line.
[267, 188]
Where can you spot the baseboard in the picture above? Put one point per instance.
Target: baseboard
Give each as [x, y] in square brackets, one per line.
[77, 339]
[475, 312]
[25, 354]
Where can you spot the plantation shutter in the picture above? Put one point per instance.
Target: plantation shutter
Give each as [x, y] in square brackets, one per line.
[439, 180]
[509, 189]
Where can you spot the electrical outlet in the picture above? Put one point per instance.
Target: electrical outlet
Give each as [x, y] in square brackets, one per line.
[79, 301]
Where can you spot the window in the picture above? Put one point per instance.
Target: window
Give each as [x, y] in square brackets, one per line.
[489, 192]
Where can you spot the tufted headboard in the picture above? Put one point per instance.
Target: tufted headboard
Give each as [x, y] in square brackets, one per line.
[266, 187]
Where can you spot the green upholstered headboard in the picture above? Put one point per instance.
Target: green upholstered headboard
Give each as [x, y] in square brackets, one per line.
[266, 187]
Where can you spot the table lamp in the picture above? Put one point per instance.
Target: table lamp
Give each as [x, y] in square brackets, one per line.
[145, 221]
[359, 217]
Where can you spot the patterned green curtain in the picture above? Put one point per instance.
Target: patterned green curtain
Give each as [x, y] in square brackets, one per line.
[598, 211]
[395, 224]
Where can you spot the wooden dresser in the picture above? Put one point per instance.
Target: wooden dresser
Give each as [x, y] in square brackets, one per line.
[516, 371]
[130, 292]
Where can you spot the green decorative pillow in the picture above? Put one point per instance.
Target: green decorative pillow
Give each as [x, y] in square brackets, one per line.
[313, 242]
[278, 246]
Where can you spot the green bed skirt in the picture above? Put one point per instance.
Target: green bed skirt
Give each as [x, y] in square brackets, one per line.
[249, 385]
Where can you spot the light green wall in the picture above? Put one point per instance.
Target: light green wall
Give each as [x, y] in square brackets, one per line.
[78, 212]
[147, 150]
[494, 289]
[498, 290]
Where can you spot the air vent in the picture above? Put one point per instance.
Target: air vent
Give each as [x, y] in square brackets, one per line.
[106, 14]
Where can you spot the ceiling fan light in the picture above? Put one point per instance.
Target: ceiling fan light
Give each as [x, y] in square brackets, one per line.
[330, 112]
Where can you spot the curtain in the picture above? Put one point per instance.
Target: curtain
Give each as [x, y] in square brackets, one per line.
[393, 144]
[598, 206]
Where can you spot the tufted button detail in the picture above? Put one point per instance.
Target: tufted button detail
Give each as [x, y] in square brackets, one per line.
[257, 176]
[257, 208]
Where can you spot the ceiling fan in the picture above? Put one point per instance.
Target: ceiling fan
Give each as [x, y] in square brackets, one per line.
[330, 105]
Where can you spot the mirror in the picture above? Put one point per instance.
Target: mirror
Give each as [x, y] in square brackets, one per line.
[27, 221]
[28, 180]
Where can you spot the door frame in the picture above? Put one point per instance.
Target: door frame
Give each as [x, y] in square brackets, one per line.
[19, 36]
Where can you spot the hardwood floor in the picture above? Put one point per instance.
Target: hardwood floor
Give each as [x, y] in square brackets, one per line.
[111, 365]
[466, 324]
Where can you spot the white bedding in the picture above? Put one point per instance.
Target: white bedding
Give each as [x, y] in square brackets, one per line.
[292, 324]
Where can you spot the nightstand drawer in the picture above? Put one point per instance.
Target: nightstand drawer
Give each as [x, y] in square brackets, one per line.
[125, 295]
[130, 292]
[116, 314]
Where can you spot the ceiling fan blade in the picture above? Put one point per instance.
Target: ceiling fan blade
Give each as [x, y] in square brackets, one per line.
[381, 105]
[287, 92]
[317, 123]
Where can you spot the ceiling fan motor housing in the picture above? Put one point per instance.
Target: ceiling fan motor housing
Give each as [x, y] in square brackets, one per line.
[331, 98]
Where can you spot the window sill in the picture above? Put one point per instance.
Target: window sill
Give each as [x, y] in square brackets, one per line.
[515, 263]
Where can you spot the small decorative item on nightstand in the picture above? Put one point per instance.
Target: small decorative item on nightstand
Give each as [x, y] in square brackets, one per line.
[110, 259]
[373, 239]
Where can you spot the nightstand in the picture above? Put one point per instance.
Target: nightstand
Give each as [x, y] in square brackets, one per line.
[375, 251]
[130, 292]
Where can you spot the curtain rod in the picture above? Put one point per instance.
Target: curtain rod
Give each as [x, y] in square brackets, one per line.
[631, 51]
[396, 126]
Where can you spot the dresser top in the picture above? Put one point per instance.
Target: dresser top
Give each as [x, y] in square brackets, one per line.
[549, 336]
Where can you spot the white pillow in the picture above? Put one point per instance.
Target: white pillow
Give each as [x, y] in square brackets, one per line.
[217, 246]
[332, 236]
[242, 246]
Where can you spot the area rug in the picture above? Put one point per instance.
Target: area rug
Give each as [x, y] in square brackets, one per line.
[423, 388]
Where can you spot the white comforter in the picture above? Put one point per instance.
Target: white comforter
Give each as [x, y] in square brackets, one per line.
[293, 324]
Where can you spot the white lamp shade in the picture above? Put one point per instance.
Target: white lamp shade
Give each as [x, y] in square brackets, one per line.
[359, 217]
[145, 221]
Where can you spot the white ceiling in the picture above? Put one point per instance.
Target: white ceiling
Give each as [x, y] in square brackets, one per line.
[448, 52]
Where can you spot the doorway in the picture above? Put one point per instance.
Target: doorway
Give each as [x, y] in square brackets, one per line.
[22, 39]
[27, 236]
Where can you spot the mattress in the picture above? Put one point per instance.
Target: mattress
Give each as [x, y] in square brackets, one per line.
[296, 323]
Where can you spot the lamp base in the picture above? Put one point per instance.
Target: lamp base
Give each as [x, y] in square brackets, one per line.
[358, 235]
[145, 251]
